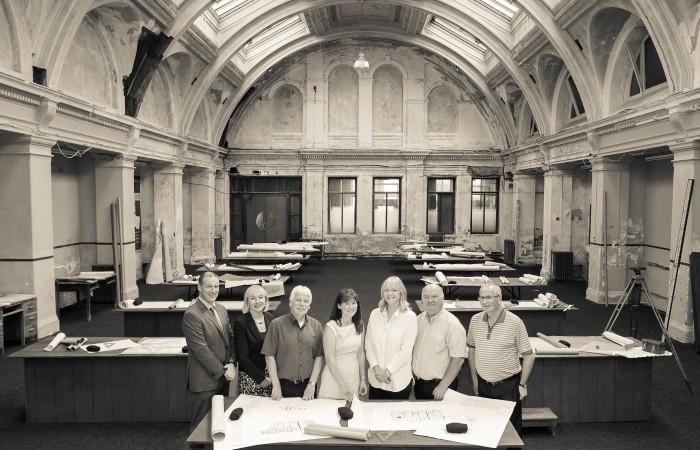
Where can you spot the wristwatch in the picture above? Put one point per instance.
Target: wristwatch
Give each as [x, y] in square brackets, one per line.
[312, 383]
[523, 385]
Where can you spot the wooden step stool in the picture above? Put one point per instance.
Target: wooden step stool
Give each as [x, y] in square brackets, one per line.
[540, 417]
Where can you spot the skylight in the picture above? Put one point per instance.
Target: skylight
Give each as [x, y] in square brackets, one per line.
[222, 7]
[271, 31]
[505, 8]
[460, 33]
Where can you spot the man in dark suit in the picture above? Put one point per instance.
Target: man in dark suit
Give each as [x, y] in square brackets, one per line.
[210, 356]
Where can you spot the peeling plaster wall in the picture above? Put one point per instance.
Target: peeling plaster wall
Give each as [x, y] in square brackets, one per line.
[442, 111]
[66, 220]
[156, 107]
[387, 100]
[187, 215]
[6, 46]
[86, 71]
[343, 91]
[255, 128]
[580, 217]
[88, 221]
[199, 128]
[539, 217]
[658, 233]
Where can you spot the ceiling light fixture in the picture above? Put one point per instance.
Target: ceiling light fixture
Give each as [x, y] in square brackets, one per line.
[361, 63]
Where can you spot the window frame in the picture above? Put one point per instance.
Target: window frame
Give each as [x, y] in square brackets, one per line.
[374, 192]
[451, 193]
[640, 73]
[342, 194]
[483, 195]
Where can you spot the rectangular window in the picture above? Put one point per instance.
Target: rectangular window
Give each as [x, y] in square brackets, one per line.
[441, 205]
[386, 205]
[484, 206]
[342, 204]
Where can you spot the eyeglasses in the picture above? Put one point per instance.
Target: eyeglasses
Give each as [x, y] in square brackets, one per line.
[488, 297]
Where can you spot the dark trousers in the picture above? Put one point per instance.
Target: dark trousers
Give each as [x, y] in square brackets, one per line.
[423, 389]
[201, 403]
[381, 394]
[505, 391]
[289, 389]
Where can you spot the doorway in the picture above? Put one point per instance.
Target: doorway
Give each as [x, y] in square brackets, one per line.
[265, 209]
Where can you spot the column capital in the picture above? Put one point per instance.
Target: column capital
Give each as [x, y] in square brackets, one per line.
[600, 164]
[19, 139]
[523, 176]
[123, 161]
[554, 172]
[172, 169]
[684, 146]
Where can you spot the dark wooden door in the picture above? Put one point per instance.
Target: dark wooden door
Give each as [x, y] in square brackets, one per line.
[266, 218]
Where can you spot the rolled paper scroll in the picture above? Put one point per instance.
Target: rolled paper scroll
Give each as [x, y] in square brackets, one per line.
[174, 304]
[441, 277]
[550, 340]
[54, 342]
[124, 304]
[358, 434]
[218, 420]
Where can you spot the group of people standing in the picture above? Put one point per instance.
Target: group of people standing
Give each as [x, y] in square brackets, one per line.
[394, 354]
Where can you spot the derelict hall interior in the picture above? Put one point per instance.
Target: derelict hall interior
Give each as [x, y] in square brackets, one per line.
[558, 137]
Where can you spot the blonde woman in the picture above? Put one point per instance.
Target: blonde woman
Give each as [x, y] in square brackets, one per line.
[249, 334]
[343, 346]
[391, 333]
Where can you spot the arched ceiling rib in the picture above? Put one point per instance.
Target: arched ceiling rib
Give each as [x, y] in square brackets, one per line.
[459, 14]
[497, 106]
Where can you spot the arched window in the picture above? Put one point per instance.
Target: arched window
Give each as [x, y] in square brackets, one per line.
[646, 66]
[576, 103]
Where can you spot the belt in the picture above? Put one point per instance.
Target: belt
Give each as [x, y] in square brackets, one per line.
[296, 380]
[505, 380]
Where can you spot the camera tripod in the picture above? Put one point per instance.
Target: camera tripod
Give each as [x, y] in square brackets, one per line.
[636, 286]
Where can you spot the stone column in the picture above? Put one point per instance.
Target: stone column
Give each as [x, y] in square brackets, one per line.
[612, 180]
[686, 165]
[167, 200]
[365, 111]
[413, 201]
[524, 217]
[556, 229]
[26, 220]
[222, 208]
[314, 187]
[203, 215]
[114, 179]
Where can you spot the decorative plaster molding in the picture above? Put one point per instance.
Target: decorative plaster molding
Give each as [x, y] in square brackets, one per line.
[679, 119]
[18, 97]
[45, 114]
[91, 117]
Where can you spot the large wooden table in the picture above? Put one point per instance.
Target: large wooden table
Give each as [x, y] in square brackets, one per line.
[586, 387]
[437, 258]
[462, 268]
[155, 319]
[454, 283]
[536, 319]
[193, 284]
[246, 268]
[399, 439]
[63, 386]
[84, 283]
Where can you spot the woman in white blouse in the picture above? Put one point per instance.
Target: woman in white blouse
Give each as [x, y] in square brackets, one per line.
[391, 332]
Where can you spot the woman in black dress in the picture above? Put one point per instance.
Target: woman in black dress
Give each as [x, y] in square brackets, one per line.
[249, 334]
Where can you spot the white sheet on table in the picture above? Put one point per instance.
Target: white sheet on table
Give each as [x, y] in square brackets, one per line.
[267, 421]
[486, 418]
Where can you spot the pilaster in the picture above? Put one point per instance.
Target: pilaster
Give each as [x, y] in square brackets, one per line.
[556, 229]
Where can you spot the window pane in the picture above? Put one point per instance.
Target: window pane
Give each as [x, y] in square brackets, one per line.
[653, 70]
[386, 185]
[477, 215]
[348, 185]
[348, 213]
[576, 95]
[379, 225]
[334, 184]
[431, 184]
[634, 85]
[490, 213]
[446, 211]
[476, 184]
[432, 213]
[336, 200]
